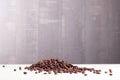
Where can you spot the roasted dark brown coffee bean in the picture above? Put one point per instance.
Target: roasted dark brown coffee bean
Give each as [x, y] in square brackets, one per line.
[20, 68]
[14, 69]
[45, 73]
[85, 74]
[110, 70]
[110, 74]
[35, 72]
[105, 72]
[3, 66]
[24, 72]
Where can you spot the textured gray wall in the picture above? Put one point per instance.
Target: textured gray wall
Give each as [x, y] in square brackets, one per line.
[78, 31]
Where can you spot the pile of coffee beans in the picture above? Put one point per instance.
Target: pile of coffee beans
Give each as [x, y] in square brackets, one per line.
[59, 66]
[54, 65]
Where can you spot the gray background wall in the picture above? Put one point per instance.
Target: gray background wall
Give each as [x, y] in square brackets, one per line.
[78, 31]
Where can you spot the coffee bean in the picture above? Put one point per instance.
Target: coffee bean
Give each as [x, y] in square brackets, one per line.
[85, 74]
[20, 68]
[45, 73]
[24, 72]
[105, 72]
[110, 70]
[14, 69]
[110, 74]
[35, 72]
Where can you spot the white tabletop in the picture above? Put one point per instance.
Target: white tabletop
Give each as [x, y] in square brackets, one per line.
[8, 73]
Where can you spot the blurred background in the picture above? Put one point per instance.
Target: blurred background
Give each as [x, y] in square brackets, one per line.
[77, 31]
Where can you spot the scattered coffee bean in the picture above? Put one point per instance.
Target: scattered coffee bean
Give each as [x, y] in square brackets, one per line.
[20, 68]
[14, 69]
[3, 66]
[110, 74]
[110, 70]
[26, 68]
[85, 74]
[45, 73]
[105, 72]
[25, 72]
[35, 72]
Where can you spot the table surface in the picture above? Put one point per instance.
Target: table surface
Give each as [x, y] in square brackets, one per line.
[8, 73]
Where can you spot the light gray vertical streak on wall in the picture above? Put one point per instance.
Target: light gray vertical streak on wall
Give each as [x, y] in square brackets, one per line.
[8, 15]
[94, 12]
[26, 31]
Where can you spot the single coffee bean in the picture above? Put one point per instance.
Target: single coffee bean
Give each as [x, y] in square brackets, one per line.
[20, 68]
[25, 72]
[14, 69]
[85, 74]
[3, 65]
[110, 74]
[105, 72]
[35, 72]
[110, 70]
[45, 73]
